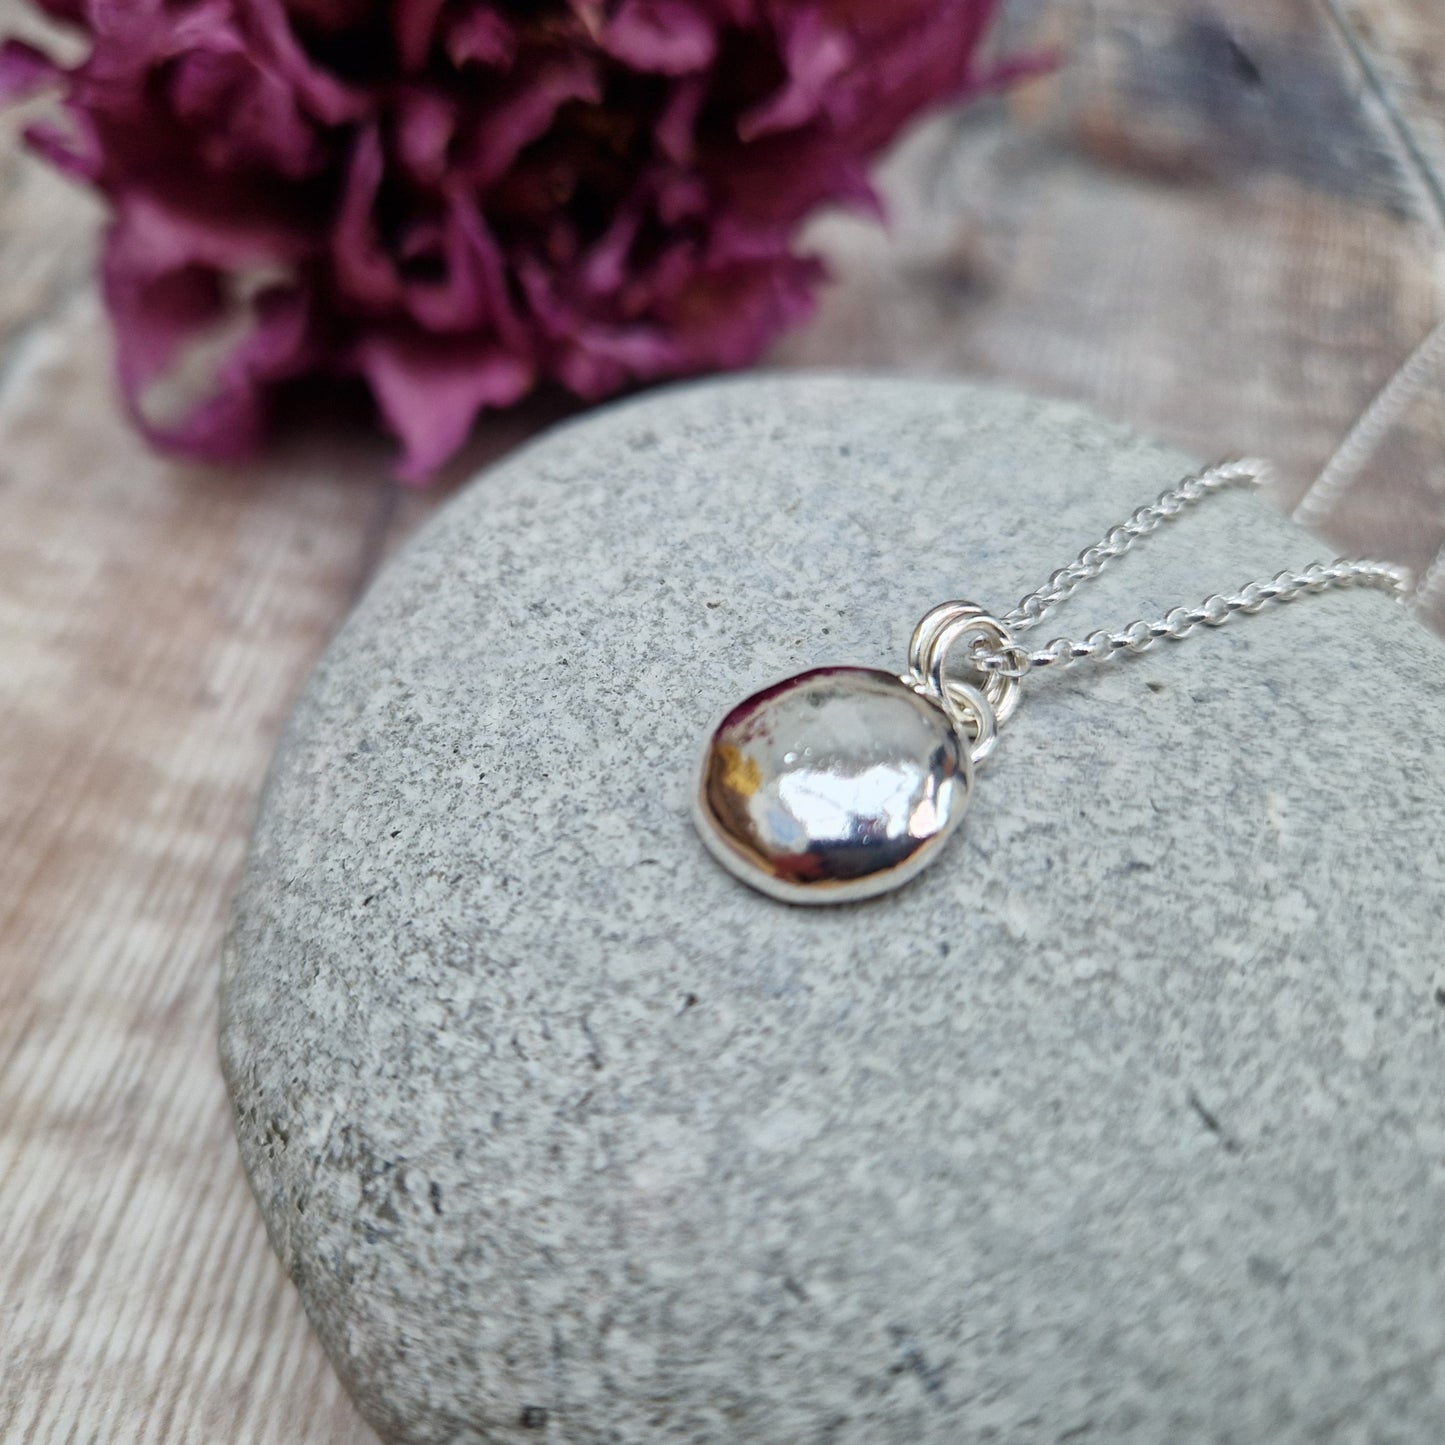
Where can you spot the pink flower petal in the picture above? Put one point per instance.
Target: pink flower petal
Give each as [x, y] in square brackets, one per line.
[670, 36]
[24, 70]
[425, 126]
[599, 360]
[677, 125]
[481, 37]
[524, 111]
[326, 97]
[166, 282]
[415, 22]
[70, 11]
[232, 421]
[155, 235]
[472, 294]
[249, 116]
[430, 394]
[729, 315]
[365, 272]
[76, 152]
[816, 54]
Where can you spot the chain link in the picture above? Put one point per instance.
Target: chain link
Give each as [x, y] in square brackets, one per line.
[1015, 660]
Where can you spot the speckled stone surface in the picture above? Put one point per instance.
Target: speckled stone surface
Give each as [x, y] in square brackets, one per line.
[1124, 1123]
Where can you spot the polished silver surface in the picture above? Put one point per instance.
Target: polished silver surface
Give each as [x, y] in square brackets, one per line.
[838, 784]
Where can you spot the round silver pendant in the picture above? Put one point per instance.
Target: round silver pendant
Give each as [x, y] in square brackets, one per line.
[838, 784]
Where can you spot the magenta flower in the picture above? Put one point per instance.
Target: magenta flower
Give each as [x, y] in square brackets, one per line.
[457, 200]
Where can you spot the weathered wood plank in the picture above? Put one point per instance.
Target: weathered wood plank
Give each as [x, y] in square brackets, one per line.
[47, 226]
[155, 622]
[1402, 47]
[1387, 479]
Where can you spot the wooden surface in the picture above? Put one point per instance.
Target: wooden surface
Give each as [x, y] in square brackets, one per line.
[1221, 220]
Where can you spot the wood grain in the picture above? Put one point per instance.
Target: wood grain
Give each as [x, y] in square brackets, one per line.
[1221, 220]
[155, 625]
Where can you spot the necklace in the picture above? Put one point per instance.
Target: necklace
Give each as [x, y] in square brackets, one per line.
[845, 782]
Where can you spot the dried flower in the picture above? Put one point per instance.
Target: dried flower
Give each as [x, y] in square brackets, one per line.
[456, 200]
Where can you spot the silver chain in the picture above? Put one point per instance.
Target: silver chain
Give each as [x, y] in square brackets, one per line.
[1014, 661]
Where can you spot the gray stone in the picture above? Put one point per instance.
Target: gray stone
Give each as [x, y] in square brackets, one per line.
[1122, 1123]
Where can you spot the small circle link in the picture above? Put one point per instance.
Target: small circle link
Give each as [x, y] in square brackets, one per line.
[926, 633]
[939, 635]
[972, 713]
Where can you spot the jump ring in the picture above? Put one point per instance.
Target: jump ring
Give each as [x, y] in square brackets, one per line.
[920, 645]
[937, 637]
[972, 712]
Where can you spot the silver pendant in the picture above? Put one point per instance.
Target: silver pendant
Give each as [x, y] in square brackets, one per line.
[845, 782]
[838, 784]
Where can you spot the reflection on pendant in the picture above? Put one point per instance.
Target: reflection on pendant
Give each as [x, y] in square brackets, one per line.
[838, 784]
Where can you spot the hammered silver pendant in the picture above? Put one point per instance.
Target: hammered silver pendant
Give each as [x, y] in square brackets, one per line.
[838, 784]
[845, 782]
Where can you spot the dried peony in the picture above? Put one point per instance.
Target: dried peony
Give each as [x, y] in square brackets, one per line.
[458, 200]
